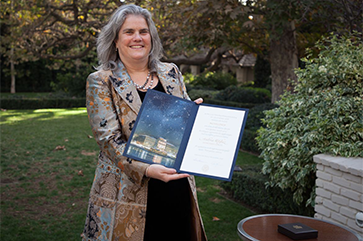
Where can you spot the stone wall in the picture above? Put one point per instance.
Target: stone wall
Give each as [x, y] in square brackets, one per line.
[339, 190]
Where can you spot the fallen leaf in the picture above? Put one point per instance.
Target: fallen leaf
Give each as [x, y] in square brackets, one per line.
[89, 136]
[216, 200]
[88, 153]
[80, 173]
[200, 189]
[3, 109]
[65, 140]
[59, 148]
[215, 219]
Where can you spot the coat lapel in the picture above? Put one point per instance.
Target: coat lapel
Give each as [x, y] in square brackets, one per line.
[169, 79]
[123, 85]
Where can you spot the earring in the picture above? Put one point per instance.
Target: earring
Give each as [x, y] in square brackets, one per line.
[116, 49]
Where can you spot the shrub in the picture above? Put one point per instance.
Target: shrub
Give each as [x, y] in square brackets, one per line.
[31, 76]
[244, 95]
[254, 122]
[70, 83]
[203, 93]
[266, 200]
[42, 101]
[256, 114]
[248, 142]
[262, 72]
[211, 80]
[72, 79]
[229, 103]
[324, 115]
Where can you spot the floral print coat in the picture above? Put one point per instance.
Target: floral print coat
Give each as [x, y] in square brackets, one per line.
[118, 197]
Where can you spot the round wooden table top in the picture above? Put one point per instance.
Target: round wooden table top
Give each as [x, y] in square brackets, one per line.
[264, 228]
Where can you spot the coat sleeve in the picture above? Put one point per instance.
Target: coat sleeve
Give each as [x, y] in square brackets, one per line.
[106, 127]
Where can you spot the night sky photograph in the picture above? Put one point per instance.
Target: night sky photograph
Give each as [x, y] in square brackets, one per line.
[164, 116]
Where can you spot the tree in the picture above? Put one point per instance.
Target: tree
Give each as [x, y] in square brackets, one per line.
[66, 29]
[324, 115]
[11, 26]
[282, 28]
[52, 29]
[219, 27]
[214, 29]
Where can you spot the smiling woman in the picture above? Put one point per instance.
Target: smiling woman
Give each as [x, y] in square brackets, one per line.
[132, 200]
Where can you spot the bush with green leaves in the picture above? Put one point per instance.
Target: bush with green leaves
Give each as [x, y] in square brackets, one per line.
[256, 114]
[324, 115]
[71, 78]
[254, 122]
[271, 200]
[201, 93]
[211, 80]
[244, 95]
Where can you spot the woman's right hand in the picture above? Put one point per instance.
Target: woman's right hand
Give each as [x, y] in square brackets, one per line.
[163, 173]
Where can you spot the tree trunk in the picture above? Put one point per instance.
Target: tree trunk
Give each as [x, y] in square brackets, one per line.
[12, 71]
[12, 68]
[283, 60]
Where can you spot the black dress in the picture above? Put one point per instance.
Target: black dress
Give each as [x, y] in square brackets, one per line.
[168, 213]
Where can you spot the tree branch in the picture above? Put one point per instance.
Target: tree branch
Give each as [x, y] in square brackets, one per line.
[191, 61]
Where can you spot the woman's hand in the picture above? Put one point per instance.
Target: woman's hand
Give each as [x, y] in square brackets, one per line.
[199, 101]
[163, 173]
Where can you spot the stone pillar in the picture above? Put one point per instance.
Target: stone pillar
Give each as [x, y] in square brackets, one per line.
[339, 190]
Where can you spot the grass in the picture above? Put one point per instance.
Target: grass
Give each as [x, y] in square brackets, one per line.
[47, 165]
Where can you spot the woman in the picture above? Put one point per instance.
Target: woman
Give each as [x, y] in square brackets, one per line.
[132, 200]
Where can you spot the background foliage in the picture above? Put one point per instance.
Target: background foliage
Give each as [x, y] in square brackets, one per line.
[324, 115]
[211, 80]
[244, 94]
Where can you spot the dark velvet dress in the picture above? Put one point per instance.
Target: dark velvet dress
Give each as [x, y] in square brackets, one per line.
[168, 213]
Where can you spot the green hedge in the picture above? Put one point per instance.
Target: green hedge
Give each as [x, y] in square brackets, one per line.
[256, 114]
[244, 95]
[229, 103]
[35, 103]
[249, 142]
[201, 93]
[248, 187]
[210, 80]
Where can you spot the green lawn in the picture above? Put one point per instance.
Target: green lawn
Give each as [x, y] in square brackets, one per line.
[47, 165]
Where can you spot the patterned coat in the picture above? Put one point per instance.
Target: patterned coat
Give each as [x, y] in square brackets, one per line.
[118, 198]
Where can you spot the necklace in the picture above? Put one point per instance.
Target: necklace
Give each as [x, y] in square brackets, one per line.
[142, 86]
[147, 80]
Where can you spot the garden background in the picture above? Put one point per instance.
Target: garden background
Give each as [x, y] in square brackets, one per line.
[308, 70]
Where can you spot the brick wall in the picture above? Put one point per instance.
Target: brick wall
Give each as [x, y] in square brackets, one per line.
[339, 190]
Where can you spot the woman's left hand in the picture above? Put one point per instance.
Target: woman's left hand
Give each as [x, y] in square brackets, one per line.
[199, 101]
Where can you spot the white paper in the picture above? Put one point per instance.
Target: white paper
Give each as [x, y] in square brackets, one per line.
[213, 141]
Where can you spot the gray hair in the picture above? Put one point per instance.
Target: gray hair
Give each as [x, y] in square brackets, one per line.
[106, 48]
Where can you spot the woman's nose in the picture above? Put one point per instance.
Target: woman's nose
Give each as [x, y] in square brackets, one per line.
[137, 37]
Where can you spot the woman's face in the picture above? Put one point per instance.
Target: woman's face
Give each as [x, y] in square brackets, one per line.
[134, 40]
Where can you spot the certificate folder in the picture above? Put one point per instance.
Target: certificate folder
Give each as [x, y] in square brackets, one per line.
[201, 140]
